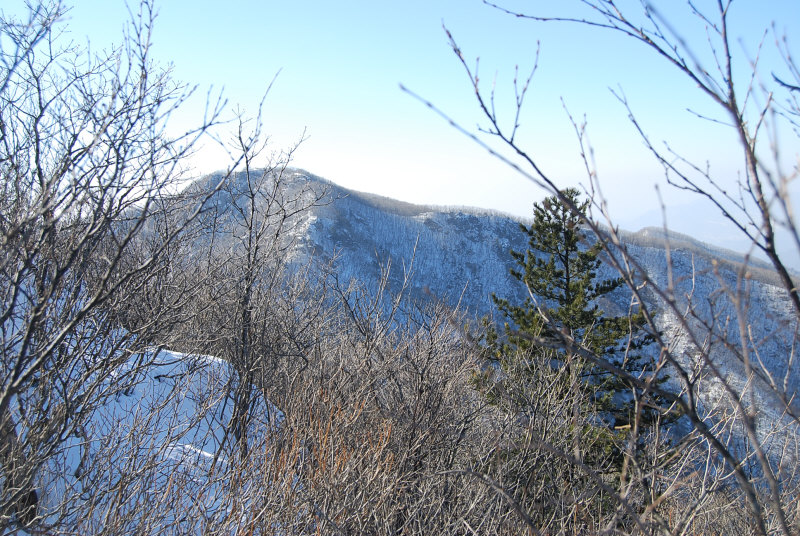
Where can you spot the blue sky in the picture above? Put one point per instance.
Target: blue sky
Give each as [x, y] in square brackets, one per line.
[341, 64]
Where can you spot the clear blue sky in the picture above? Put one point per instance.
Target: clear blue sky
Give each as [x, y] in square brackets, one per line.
[342, 62]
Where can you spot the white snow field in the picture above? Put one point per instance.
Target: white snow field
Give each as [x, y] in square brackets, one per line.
[156, 449]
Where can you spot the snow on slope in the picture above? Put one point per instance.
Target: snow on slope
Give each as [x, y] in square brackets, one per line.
[461, 256]
[452, 255]
[719, 289]
[456, 249]
[736, 314]
[167, 433]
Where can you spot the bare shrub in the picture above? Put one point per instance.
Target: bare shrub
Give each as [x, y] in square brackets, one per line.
[83, 163]
[731, 464]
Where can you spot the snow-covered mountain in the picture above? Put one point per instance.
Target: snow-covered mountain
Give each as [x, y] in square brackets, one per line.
[461, 256]
[455, 255]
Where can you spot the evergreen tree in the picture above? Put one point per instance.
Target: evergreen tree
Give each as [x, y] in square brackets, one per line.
[549, 394]
[560, 273]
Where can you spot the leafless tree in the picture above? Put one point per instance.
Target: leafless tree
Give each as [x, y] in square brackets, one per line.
[84, 162]
[738, 454]
[256, 314]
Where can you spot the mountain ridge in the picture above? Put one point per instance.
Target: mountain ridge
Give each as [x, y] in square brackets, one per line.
[434, 218]
[462, 258]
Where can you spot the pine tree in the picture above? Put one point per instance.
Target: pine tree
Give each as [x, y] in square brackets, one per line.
[554, 403]
[560, 273]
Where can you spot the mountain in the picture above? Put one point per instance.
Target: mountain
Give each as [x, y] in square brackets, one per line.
[454, 255]
[461, 256]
